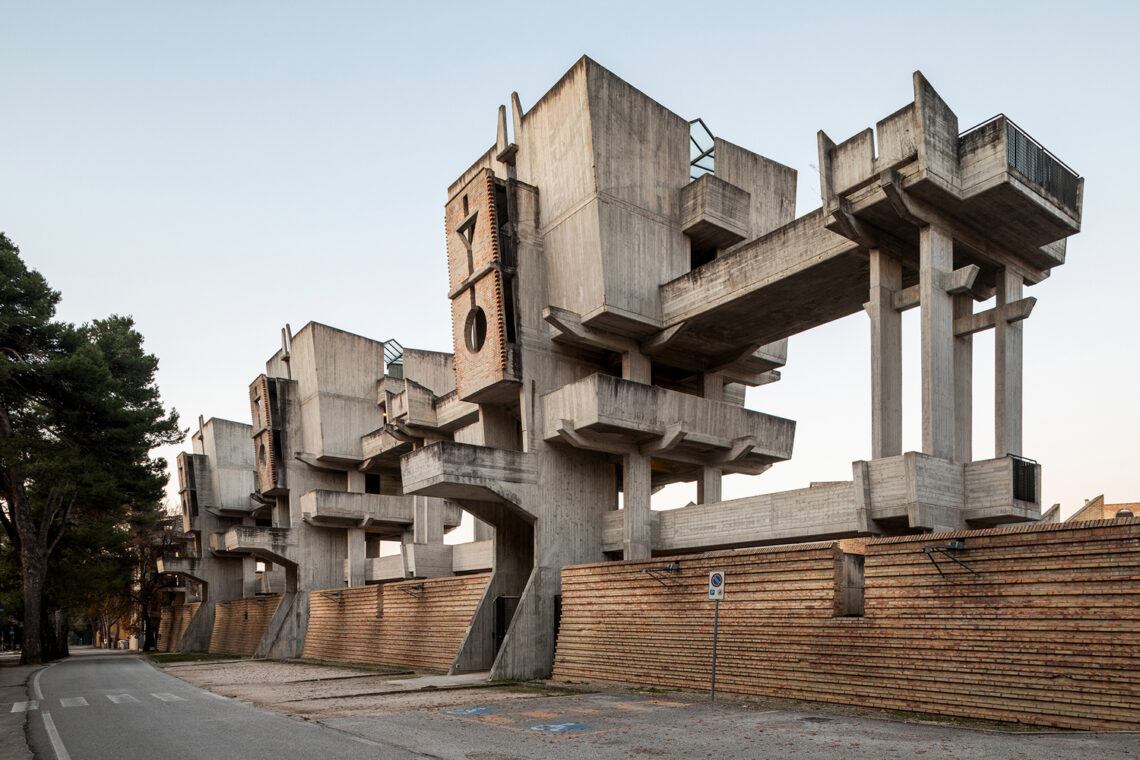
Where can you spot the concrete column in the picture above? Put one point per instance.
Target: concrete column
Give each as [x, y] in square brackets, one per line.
[428, 525]
[637, 367]
[709, 478]
[355, 481]
[886, 357]
[355, 551]
[637, 485]
[1007, 370]
[483, 531]
[936, 260]
[709, 482]
[963, 385]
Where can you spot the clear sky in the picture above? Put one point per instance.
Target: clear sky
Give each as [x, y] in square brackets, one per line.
[219, 169]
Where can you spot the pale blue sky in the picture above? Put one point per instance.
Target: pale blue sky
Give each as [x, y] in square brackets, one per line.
[220, 169]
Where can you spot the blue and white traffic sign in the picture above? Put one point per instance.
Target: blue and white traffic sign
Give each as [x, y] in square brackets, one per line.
[716, 585]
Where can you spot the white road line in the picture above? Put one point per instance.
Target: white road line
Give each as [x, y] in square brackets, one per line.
[168, 697]
[121, 698]
[53, 735]
[36, 684]
[28, 706]
[73, 702]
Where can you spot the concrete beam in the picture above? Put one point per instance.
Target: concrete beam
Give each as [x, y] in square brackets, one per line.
[568, 328]
[961, 280]
[970, 323]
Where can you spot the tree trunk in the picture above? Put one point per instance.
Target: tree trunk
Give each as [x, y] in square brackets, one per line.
[35, 568]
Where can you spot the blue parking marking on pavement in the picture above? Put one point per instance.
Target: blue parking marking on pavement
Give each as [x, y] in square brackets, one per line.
[558, 728]
[469, 711]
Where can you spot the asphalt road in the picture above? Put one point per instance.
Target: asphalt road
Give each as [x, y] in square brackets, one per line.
[119, 707]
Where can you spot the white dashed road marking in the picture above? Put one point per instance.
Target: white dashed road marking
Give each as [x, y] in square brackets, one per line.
[73, 702]
[25, 706]
[168, 697]
[121, 698]
[53, 736]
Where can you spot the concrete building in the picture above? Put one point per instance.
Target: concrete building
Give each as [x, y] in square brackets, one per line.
[618, 278]
[612, 298]
[215, 481]
[300, 500]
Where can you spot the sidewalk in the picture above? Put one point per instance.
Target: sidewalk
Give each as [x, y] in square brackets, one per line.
[14, 678]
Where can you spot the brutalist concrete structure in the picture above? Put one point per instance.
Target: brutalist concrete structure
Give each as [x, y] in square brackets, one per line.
[308, 491]
[215, 481]
[609, 309]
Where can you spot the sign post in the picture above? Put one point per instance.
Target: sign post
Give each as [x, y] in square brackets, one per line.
[716, 593]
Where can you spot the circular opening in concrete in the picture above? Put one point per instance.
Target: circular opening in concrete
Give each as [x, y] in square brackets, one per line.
[475, 330]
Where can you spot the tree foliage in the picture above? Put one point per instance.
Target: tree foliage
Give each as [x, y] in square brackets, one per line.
[79, 414]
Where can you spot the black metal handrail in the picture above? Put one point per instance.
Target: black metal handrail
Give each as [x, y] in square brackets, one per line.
[1036, 163]
[1024, 478]
[702, 152]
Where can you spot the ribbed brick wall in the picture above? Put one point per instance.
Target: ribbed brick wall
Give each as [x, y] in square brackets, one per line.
[1047, 633]
[172, 624]
[414, 631]
[240, 624]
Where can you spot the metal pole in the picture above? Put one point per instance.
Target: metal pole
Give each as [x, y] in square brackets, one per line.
[716, 623]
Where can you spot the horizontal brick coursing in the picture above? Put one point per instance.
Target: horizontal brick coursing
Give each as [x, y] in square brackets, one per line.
[239, 624]
[172, 623]
[1047, 633]
[384, 625]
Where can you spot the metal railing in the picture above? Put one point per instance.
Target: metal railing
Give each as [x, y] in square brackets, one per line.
[702, 153]
[394, 357]
[1031, 160]
[1036, 164]
[1024, 478]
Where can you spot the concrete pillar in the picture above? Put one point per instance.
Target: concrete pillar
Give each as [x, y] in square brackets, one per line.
[709, 482]
[355, 552]
[709, 479]
[886, 356]
[637, 485]
[428, 525]
[963, 385]
[637, 367]
[1007, 370]
[935, 262]
[483, 531]
[355, 481]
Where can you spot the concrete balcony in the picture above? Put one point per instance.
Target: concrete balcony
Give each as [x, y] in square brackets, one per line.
[473, 556]
[379, 569]
[452, 412]
[605, 413]
[269, 544]
[465, 472]
[714, 213]
[821, 512]
[994, 177]
[431, 561]
[367, 510]
[388, 444]
[184, 566]
[917, 491]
